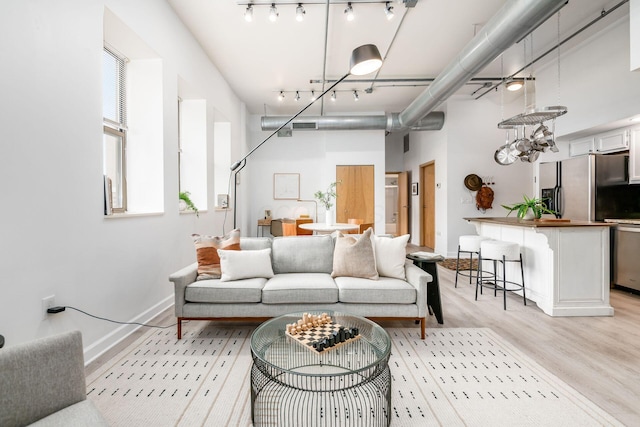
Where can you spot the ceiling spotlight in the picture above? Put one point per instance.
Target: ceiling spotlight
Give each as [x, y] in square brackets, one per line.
[333, 96]
[313, 95]
[514, 85]
[388, 10]
[248, 14]
[281, 96]
[355, 95]
[349, 12]
[300, 13]
[273, 13]
[297, 97]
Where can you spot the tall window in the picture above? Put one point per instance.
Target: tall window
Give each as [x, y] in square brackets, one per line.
[115, 131]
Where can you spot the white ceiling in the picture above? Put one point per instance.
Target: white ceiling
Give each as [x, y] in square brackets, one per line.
[261, 58]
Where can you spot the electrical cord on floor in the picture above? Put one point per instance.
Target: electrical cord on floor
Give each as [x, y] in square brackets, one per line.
[58, 309]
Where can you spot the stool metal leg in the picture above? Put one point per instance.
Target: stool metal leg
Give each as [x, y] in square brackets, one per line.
[504, 281]
[479, 275]
[524, 295]
[457, 267]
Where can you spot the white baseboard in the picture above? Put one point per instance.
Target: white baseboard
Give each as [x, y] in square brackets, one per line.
[101, 346]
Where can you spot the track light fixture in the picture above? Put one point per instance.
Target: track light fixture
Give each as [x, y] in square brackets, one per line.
[297, 97]
[355, 96]
[349, 12]
[333, 96]
[281, 96]
[300, 13]
[313, 96]
[273, 13]
[248, 14]
[388, 11]
[514, 85]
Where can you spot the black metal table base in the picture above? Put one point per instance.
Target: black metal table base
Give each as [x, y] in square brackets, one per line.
[434, 303]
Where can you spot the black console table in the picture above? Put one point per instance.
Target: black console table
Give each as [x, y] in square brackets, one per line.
[433, 288]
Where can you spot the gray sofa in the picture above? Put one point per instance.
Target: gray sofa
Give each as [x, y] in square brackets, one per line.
[302, 281]
[42, 383]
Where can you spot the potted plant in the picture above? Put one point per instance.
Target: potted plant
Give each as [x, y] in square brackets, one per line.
[326, 199]
[529, 209]
[184, 198]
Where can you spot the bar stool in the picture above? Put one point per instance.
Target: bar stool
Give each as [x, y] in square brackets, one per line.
[471, 245]
[498, 251]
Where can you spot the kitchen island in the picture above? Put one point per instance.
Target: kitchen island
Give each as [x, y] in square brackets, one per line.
[566, 263]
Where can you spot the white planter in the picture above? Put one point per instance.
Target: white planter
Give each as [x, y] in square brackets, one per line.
[328, 217]
[528, 215]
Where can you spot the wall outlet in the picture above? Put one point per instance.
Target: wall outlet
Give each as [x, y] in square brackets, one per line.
[47, 302]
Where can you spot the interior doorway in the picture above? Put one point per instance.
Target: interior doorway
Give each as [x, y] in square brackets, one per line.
[391, 194]
[427, 196]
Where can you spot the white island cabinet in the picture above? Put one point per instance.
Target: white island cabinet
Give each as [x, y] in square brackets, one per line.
[566, 264]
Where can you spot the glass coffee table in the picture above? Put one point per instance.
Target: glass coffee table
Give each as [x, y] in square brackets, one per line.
[293, 384]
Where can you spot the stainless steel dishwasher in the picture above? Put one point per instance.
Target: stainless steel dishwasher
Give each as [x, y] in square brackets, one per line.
[626, 255]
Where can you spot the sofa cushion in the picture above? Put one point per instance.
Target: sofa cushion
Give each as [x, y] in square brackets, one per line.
[391, 254]
[300, 288]
[302, 254]
[386, 290]
[254, 243]
[354, 257]
[207, 252]
[236, 265]
[238, 291]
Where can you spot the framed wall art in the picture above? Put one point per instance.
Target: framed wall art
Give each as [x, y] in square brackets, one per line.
[414, 188]
[286, 186]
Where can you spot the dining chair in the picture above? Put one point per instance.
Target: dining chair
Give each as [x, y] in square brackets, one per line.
[356, 221]
[289, 228]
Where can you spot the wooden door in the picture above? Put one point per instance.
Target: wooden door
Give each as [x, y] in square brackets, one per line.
[356, 195]
[427, 194]
[402, 226]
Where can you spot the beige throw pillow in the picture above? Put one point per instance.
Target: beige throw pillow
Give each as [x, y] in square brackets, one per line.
[207, 252]
[354, 257]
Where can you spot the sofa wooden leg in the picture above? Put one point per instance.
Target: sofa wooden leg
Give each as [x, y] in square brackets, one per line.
[423, 326]
[179, 327]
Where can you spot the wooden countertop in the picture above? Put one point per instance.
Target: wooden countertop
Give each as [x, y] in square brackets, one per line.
[539, 223]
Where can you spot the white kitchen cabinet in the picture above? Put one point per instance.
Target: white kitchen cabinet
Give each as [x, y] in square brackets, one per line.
[581, 147]
[566, 265]
[615, 140]
[634, 156]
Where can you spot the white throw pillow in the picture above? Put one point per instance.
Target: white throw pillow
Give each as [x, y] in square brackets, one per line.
[236, 265]
[391, 254]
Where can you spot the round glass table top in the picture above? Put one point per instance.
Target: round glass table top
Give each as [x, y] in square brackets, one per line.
[272, 346]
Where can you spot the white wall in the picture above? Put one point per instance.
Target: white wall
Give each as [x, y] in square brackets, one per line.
[314, 155]
[596, 85]
[55, 239]
[394, 151]
[466, 144]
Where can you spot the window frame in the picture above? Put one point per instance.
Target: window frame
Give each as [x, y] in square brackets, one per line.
[118, 128]
[120, 133]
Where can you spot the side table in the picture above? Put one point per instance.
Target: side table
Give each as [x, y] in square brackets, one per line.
[266, 222]
[433, 288]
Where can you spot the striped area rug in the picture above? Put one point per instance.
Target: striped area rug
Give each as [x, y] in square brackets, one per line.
[456, 377]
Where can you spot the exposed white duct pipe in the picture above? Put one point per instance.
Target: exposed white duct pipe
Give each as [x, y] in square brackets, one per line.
[389, 122]
[514, 21]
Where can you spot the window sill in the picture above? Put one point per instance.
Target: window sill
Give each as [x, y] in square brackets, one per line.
[133, 215]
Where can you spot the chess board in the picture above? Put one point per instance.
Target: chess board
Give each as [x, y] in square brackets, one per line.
[308, 337]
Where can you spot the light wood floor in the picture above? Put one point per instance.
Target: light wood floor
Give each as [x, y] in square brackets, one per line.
[598, 356]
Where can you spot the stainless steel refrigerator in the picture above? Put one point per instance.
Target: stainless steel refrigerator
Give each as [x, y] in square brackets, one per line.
[593, 187]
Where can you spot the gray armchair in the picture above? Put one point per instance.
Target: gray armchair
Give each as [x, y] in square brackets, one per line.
[43, 382]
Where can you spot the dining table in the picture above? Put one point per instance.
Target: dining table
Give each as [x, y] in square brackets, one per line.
[324, 228]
